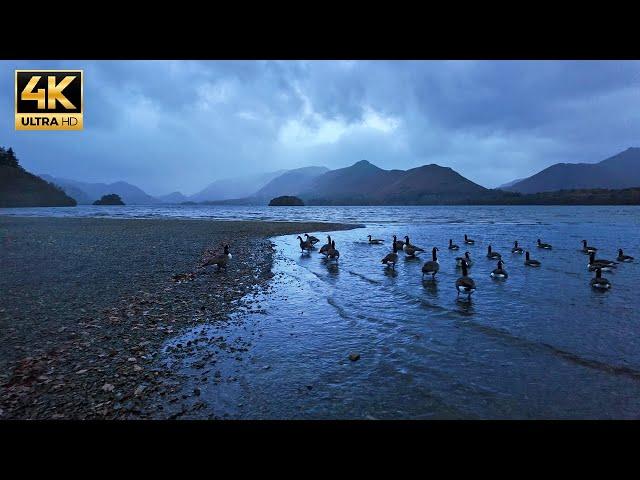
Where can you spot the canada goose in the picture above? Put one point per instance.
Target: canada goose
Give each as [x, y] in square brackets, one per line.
[453, 246]
[392, 258]
[431, 266]
[466, 259]
[407, 245]
[332, 253]
[465, 284]
[398, 243]
[546, 246]
[326, 247]
[587, 249]
[310, 238]
[374, 241]
[599, 281]
[304, 245]
[530, 263]
[516, 248]
[468, 241]
[605, 265]
[219, 260]
[499, 272]
[622, 257]
[411, 250]
[493, 255]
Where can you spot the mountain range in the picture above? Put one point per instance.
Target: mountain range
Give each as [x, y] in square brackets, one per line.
[86, 193]
[366, 184]
[617, 172]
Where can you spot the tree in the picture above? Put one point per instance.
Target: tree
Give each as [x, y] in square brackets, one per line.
[8, 158]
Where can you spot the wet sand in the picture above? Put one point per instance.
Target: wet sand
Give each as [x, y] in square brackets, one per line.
[86, 303]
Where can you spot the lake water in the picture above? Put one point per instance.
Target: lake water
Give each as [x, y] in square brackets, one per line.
[542, 344]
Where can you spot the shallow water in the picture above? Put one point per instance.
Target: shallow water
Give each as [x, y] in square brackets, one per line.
[541, 344]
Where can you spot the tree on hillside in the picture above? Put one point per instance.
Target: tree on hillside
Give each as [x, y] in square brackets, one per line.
[8, 158]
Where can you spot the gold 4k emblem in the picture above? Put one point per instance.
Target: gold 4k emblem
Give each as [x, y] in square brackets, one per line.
[49, 99]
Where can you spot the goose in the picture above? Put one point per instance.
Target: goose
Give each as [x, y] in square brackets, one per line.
[468, 241]
[530, 263]
[499, 272]
[398, 243]
[453, 246]
[493, 255]
[219, 260]
[310, 238]
[466, 259]
[605, 265]
[407, 245]
[431, 266]
[516, 248]
[304, 245]
[332, 253]
[599, 281]
[411, 250]
[391, 258]
[374, 241]
[465, 284]
[622, 257]
[326, 247]
[587, 249]
[546, 246]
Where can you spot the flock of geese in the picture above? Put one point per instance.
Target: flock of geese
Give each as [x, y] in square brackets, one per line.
[465, 284]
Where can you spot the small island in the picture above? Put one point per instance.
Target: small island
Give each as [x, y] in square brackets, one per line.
[286, 201]
[111, 199]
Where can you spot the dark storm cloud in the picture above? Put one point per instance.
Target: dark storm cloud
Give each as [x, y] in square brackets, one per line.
[168, 125]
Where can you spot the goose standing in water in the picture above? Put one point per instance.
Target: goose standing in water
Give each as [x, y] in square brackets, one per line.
[468, 241]
[391, 258]
[305, 245]
[516, 248]
[453, 246]
[466, 259]
[311, 239]
[374, 241]
[587, 249]
[605, 265]
[219, 260]
[326, 247]
[465, 284]
[546, 246]
[407, 246]
[529, 262]
[432, 266]
[493, 255]
[622, 257]
[398, 243]
[332, 253]
[599, 281]
[499, 272]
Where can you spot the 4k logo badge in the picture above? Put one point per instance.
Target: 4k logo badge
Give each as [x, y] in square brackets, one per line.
[49, 99]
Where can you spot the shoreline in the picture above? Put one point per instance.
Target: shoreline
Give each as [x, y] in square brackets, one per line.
[86, 304]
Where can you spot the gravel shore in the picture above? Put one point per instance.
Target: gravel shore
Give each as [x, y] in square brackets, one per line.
[86, 303]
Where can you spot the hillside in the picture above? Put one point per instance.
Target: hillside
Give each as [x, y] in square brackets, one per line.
[292, 181]
[617, 172]
[173, 197]
[236, 187]
[86, 193]
[366, 184]
[19, 188]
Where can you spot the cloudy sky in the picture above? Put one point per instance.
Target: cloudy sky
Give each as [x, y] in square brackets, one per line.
[179, 125]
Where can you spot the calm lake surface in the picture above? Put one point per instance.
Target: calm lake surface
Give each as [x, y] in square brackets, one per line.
[542, 344]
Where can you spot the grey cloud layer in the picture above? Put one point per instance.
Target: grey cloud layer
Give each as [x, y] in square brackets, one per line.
[178, 125]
